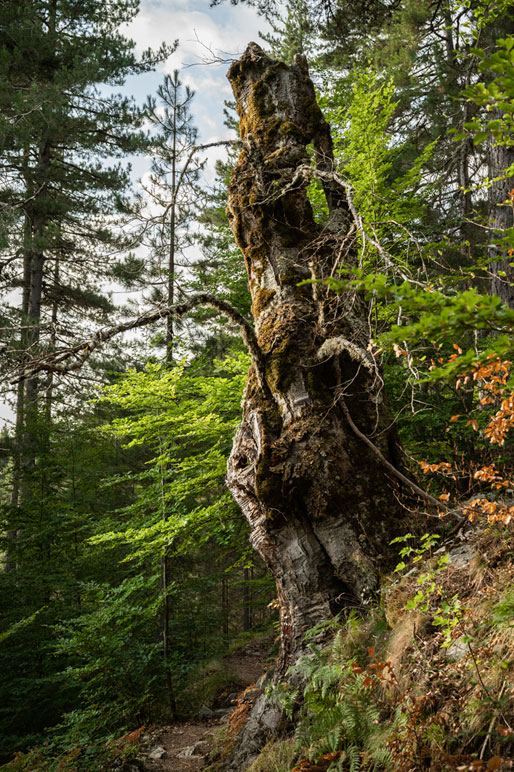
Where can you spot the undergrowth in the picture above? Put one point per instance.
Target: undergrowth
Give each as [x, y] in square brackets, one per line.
[426, 680]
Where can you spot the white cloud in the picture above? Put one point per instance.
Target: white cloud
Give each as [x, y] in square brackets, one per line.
[205, 35]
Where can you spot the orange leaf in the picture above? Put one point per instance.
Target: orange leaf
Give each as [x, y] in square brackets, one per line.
[494, 763]
[444, 496]
[454, 418]
[371, 651]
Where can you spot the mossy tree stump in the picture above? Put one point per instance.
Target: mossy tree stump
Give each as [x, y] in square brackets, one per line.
[321, 507]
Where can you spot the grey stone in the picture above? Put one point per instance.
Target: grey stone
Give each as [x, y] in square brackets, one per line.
[265, 680]
[457, 650]
[187, 754]
[205, 712]
[222, 712]
[251, 694]
[157, 753]
[195, 751]
[462, 555]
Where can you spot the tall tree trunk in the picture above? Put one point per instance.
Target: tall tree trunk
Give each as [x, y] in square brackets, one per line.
[247, 610]
[501, 204]
[10, 563]
[224, 607]
[49, 385]
[500, 218]
[173, 237]
[319, 503]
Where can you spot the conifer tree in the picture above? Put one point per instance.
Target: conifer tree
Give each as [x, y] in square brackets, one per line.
[61, 186]
[172, 191]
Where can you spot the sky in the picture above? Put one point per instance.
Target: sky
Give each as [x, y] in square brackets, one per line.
[203, 34]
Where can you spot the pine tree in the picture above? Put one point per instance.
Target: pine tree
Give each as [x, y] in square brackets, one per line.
[172, 193]
[61, 188]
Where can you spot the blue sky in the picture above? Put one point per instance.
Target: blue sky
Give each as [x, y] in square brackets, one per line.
[224, 30]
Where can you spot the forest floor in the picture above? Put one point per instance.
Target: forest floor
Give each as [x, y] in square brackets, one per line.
[188, 744]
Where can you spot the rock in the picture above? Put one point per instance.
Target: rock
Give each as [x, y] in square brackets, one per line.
[462, 555]
[196, 751]
[157, 753]
[251, 694]
[231, 699]
[222, 712]
[457, 650]
[265, 680]
[205, 712]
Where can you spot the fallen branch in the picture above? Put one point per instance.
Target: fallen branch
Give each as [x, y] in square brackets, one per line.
[412, 485]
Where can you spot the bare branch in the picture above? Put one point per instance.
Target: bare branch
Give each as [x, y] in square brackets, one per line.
[57, 361]
[194, 150]
[306, 172]
[412, 485]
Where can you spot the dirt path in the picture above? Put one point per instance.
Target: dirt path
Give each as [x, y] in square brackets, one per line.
[186, 745]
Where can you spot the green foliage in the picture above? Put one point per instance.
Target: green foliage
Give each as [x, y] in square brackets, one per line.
[185, 422]
[53, 566]
[81, 619]
[188, 421]
[447, 612]
[441, 317]
[390, 204]
[339, 713]
[292, 32]
[87, 634]
[114, 653]
[503, 610]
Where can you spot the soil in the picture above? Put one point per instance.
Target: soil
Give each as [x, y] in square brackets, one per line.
[246, 665]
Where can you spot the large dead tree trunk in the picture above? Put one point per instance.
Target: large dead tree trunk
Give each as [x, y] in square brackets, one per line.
[319, 501]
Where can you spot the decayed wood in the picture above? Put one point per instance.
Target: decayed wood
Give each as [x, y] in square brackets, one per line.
[321, 510]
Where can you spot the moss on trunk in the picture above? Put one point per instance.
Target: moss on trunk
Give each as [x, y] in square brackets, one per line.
[321, 509]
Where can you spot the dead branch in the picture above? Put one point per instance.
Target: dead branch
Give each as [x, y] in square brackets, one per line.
[57, 361]
[419, 491]
[307, 172]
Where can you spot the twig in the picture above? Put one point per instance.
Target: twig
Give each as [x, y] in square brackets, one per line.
[492, 723]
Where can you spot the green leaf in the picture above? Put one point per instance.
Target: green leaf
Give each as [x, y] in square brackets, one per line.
[479, 137]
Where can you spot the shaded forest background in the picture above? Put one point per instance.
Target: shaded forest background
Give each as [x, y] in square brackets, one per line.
[126, 564]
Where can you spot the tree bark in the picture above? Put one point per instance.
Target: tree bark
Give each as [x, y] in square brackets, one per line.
[500, 158]
[321, 507]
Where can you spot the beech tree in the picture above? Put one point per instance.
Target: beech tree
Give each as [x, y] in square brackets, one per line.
[316, 463]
